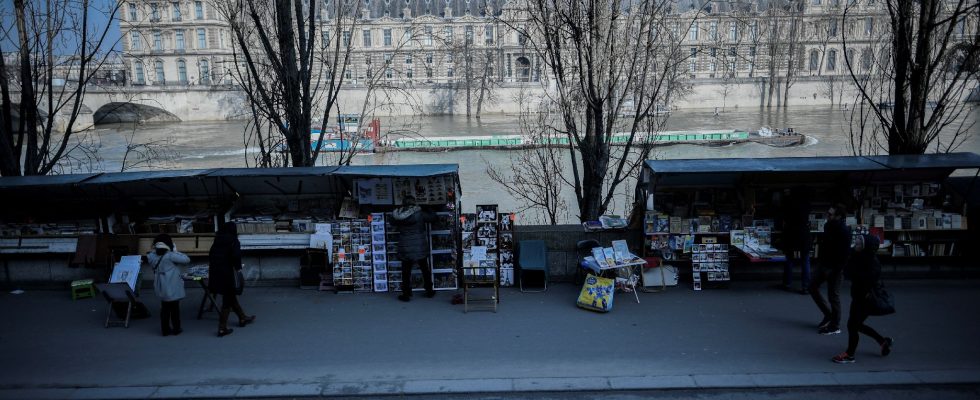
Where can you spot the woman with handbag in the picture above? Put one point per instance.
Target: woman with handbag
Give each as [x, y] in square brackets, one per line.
[864, 271]
[225, 276]
[167, 283]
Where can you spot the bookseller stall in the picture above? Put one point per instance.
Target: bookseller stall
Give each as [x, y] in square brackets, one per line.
[708, 216]
[283, 215]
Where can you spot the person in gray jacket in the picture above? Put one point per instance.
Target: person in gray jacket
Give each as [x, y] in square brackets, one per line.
[167, 283]
[413, 245]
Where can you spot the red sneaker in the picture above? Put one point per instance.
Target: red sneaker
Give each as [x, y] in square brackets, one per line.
[843, 358]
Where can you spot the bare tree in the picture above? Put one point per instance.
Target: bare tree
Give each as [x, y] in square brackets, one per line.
[600, 55]
[59, 51]
[534, 175]
[914, 94]
[291, 69]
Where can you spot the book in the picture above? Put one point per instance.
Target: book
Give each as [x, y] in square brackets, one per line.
[738, 238]
[675, 225]
[592, 225]
[612, 221]
[600, 257]
[663, 223]
[621, 251]
[610, 256]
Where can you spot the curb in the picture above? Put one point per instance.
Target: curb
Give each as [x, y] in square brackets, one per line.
[506, 385]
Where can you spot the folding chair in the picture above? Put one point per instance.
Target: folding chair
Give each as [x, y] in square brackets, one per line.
[532, 255]
[119, 292]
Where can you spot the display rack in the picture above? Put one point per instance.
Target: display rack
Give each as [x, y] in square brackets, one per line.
[352, 256]
[481, 278]
[442, 251]
[379, 252]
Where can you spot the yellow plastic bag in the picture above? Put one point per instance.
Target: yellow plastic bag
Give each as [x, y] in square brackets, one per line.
[597, 294]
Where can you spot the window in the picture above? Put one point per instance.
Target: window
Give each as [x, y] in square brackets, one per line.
[408, 59]
[387, 58]
[866, 59]
[754, 30]
[961, 28]
[135, 42]
[133, 16]
[387, 37]
[366, 37]
[205, 67]
[179, 39]
[732, 52]
[850, 57]
[409, 73]
[816, 2]
[732, 31]
[199, 9]
[692, 32]
[869, 26]
[428, 58]
[325, 37]
[814, 60]
[176, 7]
[182, 71]
[140, 77]
[731, 67]
[832, 28]
[832, 60]
[154, 12]
[158, 67]
[693, 66]
[449, 72]
[675, 29]
[468, 33]
[157, 41]
[713, 52]
[713, 31]
[202, 39]
[523, 69]
[428, 72]
[447, 34]
[428, 36]
[488, 34]
[345, 38]
[407, 35]
[389, 73]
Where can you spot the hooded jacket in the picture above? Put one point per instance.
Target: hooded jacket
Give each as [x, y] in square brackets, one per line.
[167, 283]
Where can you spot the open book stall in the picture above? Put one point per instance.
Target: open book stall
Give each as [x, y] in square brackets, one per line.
[283, 215]
[713, 216]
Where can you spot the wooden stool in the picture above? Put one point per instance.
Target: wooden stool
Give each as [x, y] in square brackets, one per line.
[81, 289]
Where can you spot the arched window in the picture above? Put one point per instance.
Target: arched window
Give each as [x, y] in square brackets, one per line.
[205, 67]
[140, 76]
[866, 59]
[814, 60]
[182, 71]
[832, 60]
[523, 69]
[158, 67]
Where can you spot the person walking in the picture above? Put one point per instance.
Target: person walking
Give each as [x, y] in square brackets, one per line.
[225, 258]
[834, 250]
[864, 271]
[413, 245]
[167, 283]
[796, 238]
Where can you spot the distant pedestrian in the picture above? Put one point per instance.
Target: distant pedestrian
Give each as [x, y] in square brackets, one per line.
[167, 283]
[413, 245]
[796, 240]
[225, 260]
[864, 271]
[834, 250]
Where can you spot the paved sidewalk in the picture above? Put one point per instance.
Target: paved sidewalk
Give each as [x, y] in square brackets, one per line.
[309, 343]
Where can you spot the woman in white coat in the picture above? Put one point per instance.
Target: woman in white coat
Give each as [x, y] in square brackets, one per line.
[167, 283]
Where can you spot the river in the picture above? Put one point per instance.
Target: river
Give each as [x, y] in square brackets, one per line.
[220, 144]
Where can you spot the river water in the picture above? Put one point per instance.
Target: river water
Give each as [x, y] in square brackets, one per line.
[220, 144]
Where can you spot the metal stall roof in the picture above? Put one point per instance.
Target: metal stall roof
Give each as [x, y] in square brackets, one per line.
[278, 181]
[43, 185]
[801, 170]
[190, 183]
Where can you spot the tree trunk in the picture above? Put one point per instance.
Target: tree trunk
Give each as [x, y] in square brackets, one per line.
[28, 106]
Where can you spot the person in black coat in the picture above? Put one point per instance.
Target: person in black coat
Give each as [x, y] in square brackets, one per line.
[835, 247]
[225, 260]
[413, 245]
[864, 271]
[796, 237]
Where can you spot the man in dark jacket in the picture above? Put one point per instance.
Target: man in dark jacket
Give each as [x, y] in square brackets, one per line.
[835, 247]
[796, 237]
[225, 259]
[413, 245]
[864, 271]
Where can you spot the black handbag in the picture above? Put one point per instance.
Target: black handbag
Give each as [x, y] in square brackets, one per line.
[879, 301]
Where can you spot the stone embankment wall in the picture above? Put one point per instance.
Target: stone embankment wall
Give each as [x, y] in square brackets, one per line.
[219, 104]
